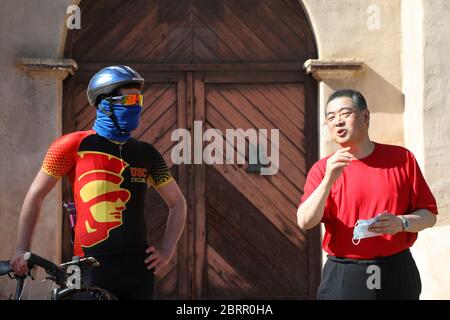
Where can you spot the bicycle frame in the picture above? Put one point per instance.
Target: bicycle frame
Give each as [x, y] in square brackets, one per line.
[19, 287]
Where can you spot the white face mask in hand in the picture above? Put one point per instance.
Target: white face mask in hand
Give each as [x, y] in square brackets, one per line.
[361, 230]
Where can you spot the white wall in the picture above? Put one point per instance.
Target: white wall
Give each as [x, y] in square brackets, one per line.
[345, 29]
[426, 68]
[406, 84]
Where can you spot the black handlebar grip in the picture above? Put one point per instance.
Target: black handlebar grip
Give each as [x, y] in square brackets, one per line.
[33, 259]
[58, 275]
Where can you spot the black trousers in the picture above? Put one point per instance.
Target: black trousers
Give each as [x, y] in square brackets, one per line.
[387, 278]
[124, 275]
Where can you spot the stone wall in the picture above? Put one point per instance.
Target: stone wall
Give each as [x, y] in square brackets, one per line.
[30, 119]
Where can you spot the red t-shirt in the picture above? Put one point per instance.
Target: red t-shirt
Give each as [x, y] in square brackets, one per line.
[388, 179]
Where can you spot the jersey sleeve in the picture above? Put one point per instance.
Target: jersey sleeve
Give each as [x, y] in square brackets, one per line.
[421, 195]
[159, 173]
[61, 155]
[313, 179]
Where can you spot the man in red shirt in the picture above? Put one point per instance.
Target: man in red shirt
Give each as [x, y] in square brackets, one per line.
[366, 180]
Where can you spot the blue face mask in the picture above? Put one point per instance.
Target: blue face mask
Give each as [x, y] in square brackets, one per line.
[127, 117]
[361, 230]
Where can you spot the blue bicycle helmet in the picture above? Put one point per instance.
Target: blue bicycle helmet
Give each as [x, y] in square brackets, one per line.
[109, 79]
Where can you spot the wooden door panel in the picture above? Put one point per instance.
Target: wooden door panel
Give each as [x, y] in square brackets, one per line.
[261, 261]
[271, 203]
[253, 246]
[226, 111]
[197, 38]
[190, 31]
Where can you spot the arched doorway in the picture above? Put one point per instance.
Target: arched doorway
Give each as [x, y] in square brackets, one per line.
[226, 64]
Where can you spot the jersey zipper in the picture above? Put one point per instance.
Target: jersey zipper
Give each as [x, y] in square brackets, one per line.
[124, 224]
[120, 153]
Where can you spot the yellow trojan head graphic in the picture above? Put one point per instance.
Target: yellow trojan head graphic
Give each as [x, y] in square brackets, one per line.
[101, 200]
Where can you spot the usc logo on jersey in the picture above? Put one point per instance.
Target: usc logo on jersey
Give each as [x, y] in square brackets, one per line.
[138, 175]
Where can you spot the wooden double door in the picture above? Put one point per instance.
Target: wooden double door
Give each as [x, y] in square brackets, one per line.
[222, 64]
[241, 239]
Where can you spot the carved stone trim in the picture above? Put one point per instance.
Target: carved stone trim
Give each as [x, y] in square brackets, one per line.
[57, 68]
[322, 70]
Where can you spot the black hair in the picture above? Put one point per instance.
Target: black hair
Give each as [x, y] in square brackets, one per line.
[358, 100]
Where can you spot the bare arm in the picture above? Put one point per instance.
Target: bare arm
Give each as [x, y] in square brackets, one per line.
[391, 224]
[310, 213]
[41, 186]
[420, 219]
[175, 224]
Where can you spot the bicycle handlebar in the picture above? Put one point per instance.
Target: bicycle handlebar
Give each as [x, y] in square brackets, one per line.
[58, 275]
[5, 267]
[33, 259]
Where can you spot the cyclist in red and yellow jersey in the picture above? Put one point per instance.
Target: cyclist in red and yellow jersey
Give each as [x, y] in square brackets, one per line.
[109, 172]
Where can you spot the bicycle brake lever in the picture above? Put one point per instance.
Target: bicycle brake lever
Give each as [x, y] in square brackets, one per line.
[32, 273]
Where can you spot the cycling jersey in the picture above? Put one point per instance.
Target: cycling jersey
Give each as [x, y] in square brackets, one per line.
[109, 182]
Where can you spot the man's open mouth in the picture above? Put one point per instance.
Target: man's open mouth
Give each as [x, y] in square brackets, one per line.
[341, 132]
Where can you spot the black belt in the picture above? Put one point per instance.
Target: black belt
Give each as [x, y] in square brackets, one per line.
[380, 260]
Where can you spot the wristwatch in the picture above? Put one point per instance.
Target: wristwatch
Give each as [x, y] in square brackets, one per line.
[405, 223]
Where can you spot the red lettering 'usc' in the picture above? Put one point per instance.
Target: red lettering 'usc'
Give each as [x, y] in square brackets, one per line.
[138, 172]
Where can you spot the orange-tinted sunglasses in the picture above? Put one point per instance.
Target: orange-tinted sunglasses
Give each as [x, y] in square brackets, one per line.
[129, 100]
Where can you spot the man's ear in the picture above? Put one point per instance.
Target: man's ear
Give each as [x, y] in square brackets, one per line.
[366, 115]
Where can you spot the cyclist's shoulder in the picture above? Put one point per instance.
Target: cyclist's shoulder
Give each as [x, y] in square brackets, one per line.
[72, 139]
